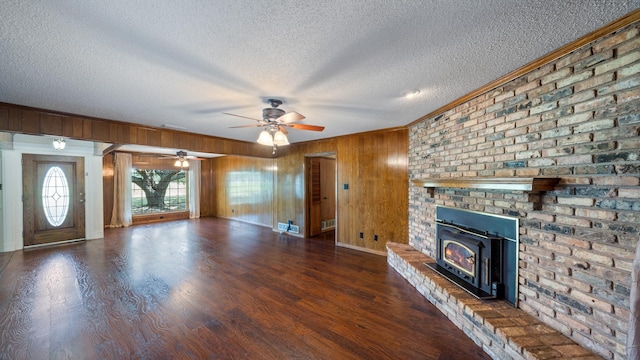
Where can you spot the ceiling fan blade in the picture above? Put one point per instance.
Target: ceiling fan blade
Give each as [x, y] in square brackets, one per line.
[243, 117]
[290, 117]
[283, 129]
[306, 127]
[245, 126]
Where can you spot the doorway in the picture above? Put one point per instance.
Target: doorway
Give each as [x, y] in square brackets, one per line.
[321, 194]
[53, 199]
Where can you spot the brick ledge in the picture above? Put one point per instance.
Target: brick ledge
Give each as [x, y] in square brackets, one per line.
[504, 332]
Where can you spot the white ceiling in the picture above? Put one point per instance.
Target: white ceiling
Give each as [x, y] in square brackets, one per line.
[344, 64]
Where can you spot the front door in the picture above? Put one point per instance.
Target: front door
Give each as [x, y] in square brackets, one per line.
[53, 198]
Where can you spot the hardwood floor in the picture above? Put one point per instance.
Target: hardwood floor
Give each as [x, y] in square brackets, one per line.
[217, 289]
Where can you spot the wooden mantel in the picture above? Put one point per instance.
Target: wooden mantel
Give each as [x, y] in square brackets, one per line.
[527, 184]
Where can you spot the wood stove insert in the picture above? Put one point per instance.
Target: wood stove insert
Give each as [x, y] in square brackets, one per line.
[478, 252]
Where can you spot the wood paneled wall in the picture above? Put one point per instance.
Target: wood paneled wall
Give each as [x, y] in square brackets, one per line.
[254, 187]
[25, 120]
[239, 187]
[374, 166]
[208, 194]
[107, 187]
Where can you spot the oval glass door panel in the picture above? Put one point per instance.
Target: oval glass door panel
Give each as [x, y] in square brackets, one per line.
[55, 196]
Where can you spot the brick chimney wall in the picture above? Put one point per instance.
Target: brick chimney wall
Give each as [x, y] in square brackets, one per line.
[576, 119]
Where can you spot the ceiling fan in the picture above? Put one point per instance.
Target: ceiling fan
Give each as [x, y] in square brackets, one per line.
[276, 121]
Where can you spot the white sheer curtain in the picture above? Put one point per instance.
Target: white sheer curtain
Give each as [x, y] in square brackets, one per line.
[121, 215]
[194, 189]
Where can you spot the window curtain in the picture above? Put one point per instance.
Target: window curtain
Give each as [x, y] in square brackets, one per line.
[194, 189]
[121, 215]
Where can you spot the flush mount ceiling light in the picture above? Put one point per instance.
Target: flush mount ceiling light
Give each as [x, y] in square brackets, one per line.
[59, 144]
[410, 94]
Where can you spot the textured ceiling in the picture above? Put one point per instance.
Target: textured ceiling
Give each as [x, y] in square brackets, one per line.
[343, 64]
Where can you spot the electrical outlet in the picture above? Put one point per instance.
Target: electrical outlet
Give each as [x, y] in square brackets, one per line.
[375, 237]
[361, 235]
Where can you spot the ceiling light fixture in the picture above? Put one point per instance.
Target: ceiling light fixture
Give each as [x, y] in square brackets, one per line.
[410, 94]
[182, 161]
[265, 138]
[59, 144]
[273, 136]
[280, 139]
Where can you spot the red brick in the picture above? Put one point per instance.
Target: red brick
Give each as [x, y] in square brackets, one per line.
[596, 103]
[504, 96]
[616, 180]
[590, 256]
[541, 90]
[575, 139]
[573, 221]
[617, 63]
[573, 58]
[629, 46]
[632, 193]
[531, 172]
[526, 87]
[575, 159]
[576, 98]
[593, 82]
[615, 40]
[575, 201]
[631, 95]
[591, 301]
[557, 75]
[540, 72]
[575, 78]
[573, 241]
[596, 214]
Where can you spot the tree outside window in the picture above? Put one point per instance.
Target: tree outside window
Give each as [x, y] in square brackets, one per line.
[155, 191]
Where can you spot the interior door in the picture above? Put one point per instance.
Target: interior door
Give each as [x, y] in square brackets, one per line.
[315, 197]
[53, 198]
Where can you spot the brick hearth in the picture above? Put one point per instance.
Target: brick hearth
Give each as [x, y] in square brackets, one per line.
[504, 332]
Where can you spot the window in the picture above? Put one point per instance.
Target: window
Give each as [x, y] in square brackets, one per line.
[55, 196]
[157, 190]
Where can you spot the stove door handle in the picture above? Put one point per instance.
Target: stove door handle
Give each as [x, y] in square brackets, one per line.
[486, 271]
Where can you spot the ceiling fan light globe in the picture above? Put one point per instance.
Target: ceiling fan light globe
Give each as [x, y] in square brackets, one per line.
[265, 138]
[177, 163]
[185, 163]
[280, 139]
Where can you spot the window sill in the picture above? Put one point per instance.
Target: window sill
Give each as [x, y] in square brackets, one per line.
[159, 217]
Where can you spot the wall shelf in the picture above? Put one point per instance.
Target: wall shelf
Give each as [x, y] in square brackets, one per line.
[529, 184]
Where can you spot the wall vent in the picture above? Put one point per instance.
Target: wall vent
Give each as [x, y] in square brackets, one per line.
[283, 227]
[328, 224]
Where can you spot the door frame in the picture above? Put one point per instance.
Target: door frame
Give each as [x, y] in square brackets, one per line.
[11, 152]
[33, 178]
[307, 198]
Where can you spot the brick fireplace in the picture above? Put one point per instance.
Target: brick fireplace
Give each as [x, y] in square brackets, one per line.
[577, 120]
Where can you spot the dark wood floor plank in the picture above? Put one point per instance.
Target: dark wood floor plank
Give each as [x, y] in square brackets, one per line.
[215, 289]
